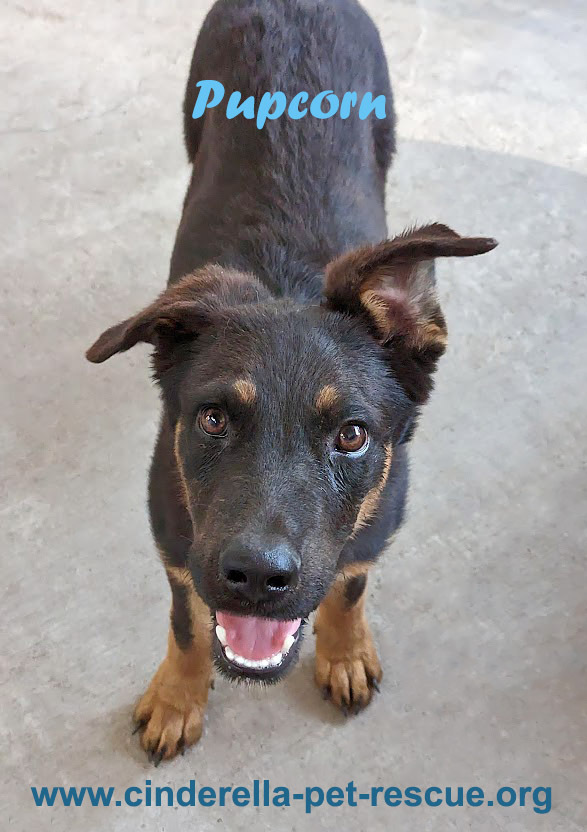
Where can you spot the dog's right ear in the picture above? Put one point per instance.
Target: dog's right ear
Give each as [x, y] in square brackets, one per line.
[391, 288]
[180, 312]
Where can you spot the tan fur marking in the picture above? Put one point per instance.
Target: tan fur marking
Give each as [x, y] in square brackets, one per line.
[172, 709]
[346, 658]
[425, 333]
[354, 570]
[183, 481]
[377, 309]
[327, 397]
[433, 334]
[245, 390]
[371, 501]
[180, 574]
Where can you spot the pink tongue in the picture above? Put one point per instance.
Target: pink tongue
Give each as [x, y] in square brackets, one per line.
[255, 638]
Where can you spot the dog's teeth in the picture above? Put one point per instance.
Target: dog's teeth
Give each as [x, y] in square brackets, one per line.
[253, 664]
[240, 660]
[288, 644]
[221, 634]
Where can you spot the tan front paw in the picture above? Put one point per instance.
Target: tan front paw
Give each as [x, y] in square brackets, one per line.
[171, 712]
[347, 669]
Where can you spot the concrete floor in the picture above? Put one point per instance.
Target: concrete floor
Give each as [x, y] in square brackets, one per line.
[479, 610]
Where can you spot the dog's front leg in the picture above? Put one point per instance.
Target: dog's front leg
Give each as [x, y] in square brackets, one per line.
[171, 712]
[347, 665]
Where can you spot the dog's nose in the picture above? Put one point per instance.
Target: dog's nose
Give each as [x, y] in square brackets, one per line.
[259, 574]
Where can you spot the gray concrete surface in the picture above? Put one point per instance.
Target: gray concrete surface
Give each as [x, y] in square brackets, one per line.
[479, 609]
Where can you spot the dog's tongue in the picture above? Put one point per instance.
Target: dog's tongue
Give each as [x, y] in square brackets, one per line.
[255, 638]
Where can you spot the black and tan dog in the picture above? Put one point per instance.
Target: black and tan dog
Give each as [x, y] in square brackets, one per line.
[293, 350]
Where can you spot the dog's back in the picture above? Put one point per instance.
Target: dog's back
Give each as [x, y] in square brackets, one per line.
[285, 199]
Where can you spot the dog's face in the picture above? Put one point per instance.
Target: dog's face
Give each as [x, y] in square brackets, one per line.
[285, 418]
[285, 424]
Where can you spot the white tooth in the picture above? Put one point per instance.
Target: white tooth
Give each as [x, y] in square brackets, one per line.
[229, 654]
[288, 644]
[263, 663]
[246, 662]
[275, 660]
[221, 633]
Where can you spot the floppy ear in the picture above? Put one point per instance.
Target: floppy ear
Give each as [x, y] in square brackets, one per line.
[180, 311]
[391, 286]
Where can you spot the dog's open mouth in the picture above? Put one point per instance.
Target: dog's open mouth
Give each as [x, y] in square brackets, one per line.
[256, 648]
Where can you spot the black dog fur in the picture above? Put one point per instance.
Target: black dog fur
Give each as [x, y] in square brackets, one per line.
[267, 286]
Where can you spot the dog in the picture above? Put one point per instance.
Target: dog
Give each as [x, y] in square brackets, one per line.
[294, 347]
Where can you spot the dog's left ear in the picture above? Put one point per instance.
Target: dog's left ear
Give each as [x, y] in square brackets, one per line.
[180, 312]
[391, 286]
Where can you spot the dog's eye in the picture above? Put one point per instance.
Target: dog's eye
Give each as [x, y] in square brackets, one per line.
[351, 439]
[213, 421]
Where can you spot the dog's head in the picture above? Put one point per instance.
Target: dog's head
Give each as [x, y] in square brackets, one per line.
[285, 419]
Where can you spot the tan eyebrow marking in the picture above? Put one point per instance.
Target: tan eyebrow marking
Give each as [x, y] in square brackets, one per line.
[327, 397]
[245, 390]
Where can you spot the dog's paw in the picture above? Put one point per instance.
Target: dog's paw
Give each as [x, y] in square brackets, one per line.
[170, 714]
[348, 673]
